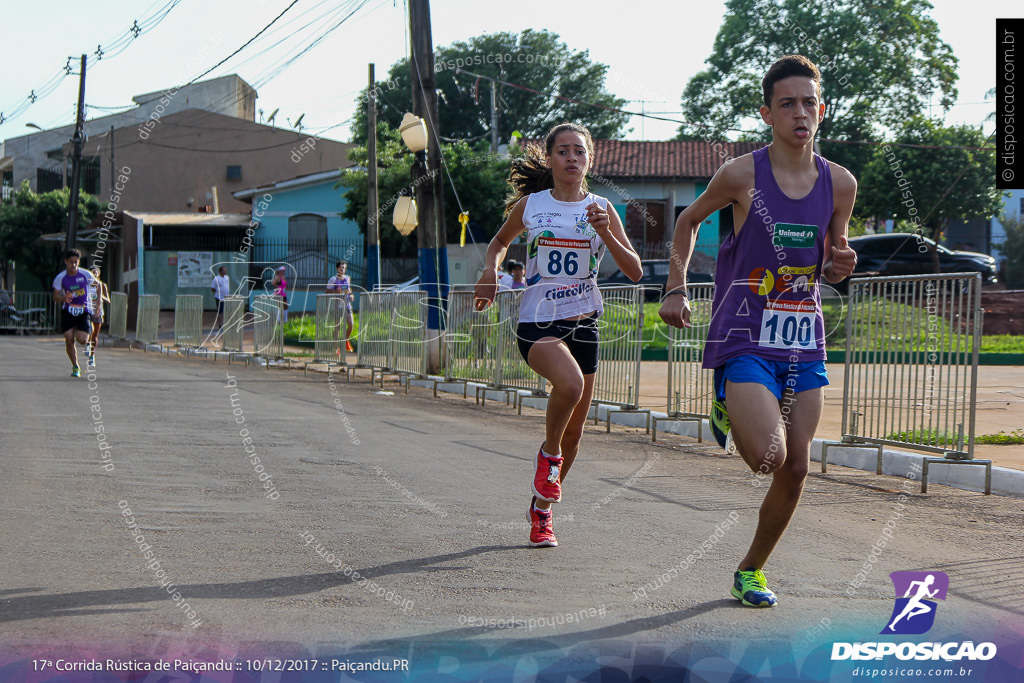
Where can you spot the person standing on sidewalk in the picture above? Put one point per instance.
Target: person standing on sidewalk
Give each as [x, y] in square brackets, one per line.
[568, 230]
[766, 343]
[341, 286]
[221, 288]
[71, 290]
[280, 286]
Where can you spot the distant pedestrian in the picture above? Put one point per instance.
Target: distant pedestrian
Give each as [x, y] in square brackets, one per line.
[98, 294]
[71, 291]
[341, 286]
[280, 285]
[518, 272]
[221, 288]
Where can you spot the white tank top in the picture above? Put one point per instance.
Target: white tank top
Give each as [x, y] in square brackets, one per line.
[563, 254]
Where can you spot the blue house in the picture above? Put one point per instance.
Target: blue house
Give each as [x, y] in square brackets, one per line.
[299, 225]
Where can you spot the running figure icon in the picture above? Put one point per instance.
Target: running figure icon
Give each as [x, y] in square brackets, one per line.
[917, 594]
[915, 607]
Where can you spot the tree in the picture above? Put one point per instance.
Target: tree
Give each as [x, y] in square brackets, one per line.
[478, 175]
[31, 215]
[944, 174]
[880, 62]
[535, 59]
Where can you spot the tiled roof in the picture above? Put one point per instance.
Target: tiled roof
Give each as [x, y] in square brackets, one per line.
[664, 159]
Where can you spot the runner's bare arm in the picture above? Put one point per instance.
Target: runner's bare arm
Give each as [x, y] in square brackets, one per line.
[840, 258]
[724, 189]
[487, 286]
[608, 225]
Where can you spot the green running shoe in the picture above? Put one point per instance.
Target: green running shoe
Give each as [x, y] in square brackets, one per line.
[76, 371]
[750, 587]
[720, 425]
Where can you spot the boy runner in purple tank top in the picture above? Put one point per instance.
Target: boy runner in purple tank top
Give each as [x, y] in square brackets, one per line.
[71, 290]
[766, 343]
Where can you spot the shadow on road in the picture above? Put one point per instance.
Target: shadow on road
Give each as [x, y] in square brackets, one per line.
[74, 604]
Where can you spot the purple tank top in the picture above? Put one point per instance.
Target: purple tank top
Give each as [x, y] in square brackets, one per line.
[767, 302]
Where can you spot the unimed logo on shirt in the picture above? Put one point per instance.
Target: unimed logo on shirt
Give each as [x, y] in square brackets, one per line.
[794, 235]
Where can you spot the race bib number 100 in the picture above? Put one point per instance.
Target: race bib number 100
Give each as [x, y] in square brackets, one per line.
[788, 325]
[558, 257]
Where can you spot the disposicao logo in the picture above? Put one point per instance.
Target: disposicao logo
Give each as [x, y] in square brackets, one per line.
[914, 613]
[915, 607]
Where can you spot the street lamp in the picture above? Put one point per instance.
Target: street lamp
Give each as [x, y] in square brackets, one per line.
[433, 261]
[414, 135]
[404, 217]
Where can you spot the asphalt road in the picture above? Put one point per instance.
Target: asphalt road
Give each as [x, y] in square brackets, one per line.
[417, 506]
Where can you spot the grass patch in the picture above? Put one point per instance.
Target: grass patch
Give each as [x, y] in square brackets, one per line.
[933, 437]
[1002, 438]
[1002, 343]
[303, 328]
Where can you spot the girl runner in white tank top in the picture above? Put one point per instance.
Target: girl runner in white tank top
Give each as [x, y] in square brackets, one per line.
[568, 230]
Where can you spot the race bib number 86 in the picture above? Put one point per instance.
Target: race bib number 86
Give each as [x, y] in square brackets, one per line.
[788, 325]
[558, 257]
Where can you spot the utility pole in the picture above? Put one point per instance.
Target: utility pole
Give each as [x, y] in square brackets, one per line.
[372, 201]
[112, 176]
[76, 163]
[432, 236]
[494, 116]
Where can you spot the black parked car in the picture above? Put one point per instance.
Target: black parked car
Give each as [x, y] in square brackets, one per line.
[654, 278]
[911, 254]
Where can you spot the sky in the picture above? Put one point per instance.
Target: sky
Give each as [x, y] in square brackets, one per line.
[651, 48]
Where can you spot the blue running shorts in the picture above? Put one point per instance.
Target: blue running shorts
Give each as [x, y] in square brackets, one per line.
[773, 374]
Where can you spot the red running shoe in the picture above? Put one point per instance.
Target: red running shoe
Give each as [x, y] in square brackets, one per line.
[348, 346]
[541, 533]
[546, 481]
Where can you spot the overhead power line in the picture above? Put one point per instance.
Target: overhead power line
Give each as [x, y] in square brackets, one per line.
[103, 51]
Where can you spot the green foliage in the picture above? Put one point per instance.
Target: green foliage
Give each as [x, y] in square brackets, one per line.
[1013, 251]
[1002, 343]
[935, 437]
[880, 62]
[1002, 438]
[478, 175]
[536, 59]
[930, 184]
[31, 215]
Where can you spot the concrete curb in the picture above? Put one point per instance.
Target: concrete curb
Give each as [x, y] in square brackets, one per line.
[904, 464]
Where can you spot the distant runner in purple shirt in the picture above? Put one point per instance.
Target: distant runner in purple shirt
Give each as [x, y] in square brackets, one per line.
[71, 290]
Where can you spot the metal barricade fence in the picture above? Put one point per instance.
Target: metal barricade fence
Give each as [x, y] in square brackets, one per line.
[375, 312]
[28, 312]
[471, 339]
[147, 320]
[268, 326]
[188, 320]
[118, 325]
[329, 344]
[621, 340]
[911, 366]
[690, 387]
[233, 326]
[510, 370]
[409, 332]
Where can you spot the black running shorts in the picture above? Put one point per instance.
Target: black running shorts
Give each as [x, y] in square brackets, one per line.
[77, 322]
[579, 335]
